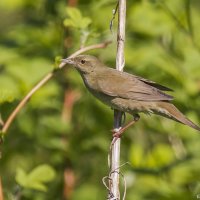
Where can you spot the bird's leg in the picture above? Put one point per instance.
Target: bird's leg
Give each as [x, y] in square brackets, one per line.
[117, 133]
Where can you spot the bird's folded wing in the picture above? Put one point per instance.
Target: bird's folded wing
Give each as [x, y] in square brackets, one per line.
[129, 87]
[154, 84]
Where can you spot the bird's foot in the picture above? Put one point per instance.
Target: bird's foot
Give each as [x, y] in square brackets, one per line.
[136, 117]
[117, 133]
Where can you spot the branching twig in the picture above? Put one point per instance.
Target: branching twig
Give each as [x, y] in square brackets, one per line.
[42, 82]
[115, 152]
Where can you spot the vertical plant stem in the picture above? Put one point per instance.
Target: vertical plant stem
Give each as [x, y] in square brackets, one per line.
[115, 160]
[120, 61]
[1, 191]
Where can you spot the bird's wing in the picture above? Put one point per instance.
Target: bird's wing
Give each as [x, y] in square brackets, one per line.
[154, 84]
[119, 84]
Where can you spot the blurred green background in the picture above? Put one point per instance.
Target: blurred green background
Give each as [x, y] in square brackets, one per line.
[58, 145]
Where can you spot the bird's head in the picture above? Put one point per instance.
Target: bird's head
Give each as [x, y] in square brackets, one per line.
[83, 63]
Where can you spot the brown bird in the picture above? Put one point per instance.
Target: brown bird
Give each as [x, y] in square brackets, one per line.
[126, 92]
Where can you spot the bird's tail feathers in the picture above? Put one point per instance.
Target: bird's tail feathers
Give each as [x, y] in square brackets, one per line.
[169, 110]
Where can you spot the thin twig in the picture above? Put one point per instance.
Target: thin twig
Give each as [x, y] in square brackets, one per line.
[43, 81]
[1, 190]
[94, 46]
[24, 100]
[1, 121]
[104, 181]
[124, 180]
[114, 13]
[115, 153]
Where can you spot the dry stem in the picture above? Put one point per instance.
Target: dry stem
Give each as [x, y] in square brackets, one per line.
[115, 152]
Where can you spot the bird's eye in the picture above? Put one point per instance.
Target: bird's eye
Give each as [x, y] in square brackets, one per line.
[82, 61]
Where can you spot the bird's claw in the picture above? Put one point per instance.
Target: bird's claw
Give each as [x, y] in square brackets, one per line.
[117, 132]
[136, 117]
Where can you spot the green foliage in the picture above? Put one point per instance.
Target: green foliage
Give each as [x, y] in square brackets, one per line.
[82, 192]
[63, 130]
[1, 136]
[6, 96]
[149, 23]
[37, 178]
[57, 61]
[76, 20]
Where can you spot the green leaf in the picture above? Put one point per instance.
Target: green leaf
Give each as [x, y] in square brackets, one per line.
[36, 178]
[9, 90]
[57, 61]
[6, 96]
[76, 20]
[43, 173]
[69, 23]
[21, 177]
[74, 13]
[85, 22]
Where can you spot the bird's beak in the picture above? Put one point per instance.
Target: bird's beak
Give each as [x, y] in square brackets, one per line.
[65, 61]
[68, 61]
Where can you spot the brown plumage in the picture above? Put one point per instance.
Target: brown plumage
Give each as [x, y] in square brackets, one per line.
[126, 92]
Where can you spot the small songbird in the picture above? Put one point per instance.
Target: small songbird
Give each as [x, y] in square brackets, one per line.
[126, 92]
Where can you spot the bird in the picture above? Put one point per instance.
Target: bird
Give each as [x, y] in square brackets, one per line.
[126, 92]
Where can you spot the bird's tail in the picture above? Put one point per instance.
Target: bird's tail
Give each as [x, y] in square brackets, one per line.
[169, 110]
